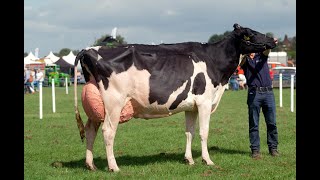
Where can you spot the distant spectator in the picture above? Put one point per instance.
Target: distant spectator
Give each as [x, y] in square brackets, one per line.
[78, 76]
[271, 74]
[242, 81]
[240, 70]
[234, 81]
[40, 78]
[27, 81]
[32, 79]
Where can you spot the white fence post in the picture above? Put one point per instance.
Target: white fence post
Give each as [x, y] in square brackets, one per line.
[66, 82]
[40, 99]
[280, 88]
[292, 88]
[53, 97]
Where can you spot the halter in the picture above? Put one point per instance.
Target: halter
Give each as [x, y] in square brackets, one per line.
[249, 43]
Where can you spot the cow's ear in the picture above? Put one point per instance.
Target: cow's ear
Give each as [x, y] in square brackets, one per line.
[236, 26]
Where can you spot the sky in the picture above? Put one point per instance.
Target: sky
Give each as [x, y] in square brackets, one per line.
[51, 25]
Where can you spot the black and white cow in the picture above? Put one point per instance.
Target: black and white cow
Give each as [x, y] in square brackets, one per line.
[162, 80]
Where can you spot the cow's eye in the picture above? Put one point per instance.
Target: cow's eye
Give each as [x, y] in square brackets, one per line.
[247, 38]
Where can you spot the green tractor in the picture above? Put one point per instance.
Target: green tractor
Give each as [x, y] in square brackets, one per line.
[62, 79]
[53, 72]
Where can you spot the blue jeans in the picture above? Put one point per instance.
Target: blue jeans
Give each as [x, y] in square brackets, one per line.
[27, 86]
[234, 85]
[265, 101]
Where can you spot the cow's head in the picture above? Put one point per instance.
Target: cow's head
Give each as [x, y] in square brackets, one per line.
[253, 41]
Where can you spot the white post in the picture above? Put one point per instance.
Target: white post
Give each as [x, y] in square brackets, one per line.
[292, 88]
[280, 88]
[66, 82]
[53, 97]
[40, 98]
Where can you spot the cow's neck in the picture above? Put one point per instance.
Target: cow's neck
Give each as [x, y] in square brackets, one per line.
[228, 48]
[228, 60]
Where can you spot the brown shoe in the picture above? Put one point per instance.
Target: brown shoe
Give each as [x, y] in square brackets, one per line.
[273, 152]
[255, 154]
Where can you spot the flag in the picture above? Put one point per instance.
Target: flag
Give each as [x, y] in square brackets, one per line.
[114, 33]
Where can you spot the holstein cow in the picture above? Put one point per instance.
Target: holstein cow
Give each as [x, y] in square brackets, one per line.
[153, 81]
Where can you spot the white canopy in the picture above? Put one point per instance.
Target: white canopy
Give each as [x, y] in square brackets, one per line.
[70, 59]
[30, 59]
[51, 58]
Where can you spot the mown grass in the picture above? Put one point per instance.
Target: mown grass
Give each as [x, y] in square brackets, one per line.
[154, 149]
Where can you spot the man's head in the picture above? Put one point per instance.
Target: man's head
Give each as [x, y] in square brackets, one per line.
[251, 55]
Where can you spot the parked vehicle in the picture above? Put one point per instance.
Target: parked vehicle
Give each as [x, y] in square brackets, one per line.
[53, 72]
[273, 64]
[80, 80]
[286, 76]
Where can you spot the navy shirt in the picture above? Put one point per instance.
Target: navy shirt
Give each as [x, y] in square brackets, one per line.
[257, 71]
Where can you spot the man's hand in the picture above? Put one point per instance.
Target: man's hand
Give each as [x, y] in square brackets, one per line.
[267, 51]
[275, 41]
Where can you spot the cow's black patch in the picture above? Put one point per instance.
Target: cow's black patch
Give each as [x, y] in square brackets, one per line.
[199, 84]
[167, 76]
[182, 96]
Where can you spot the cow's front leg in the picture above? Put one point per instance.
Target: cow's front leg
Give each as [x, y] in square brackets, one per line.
[91, 129]
[191, 118]
[204, 122]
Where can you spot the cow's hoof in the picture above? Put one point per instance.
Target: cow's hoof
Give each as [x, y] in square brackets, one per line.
[189, 161]
[114, 169]
[208, 162]
[91, 167]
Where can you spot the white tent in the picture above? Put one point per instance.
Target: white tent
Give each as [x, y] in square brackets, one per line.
[70, 59]
[51, 58]
[30, 59]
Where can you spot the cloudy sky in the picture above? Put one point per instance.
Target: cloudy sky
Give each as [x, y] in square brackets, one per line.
[51, 25]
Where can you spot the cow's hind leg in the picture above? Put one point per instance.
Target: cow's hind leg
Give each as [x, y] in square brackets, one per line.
[113, 105]
[191, 118]
[91, 129]
[204, 122]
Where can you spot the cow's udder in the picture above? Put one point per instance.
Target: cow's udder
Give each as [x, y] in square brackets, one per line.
[93, 105]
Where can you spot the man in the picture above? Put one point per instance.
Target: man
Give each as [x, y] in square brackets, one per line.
[40, 78]
[234, 81]
[260, 96]
[242, 81]
[27, 81]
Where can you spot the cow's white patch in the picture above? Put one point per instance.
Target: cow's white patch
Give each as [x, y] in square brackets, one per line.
[93, 47]
[99, 57]
[219, 92]
[212, 94]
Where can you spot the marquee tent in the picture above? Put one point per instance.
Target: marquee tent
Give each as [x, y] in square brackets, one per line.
[65, 67]
[70, 59]
[51, 58]
[30, 59]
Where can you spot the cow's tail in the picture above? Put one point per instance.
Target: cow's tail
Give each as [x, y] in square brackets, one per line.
[78, 117]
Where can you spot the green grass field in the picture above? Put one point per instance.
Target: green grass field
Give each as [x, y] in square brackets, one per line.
[154, 149]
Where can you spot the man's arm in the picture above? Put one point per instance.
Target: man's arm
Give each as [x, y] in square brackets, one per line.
[242, 59]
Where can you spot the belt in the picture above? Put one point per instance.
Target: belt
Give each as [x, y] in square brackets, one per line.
[261, 89]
